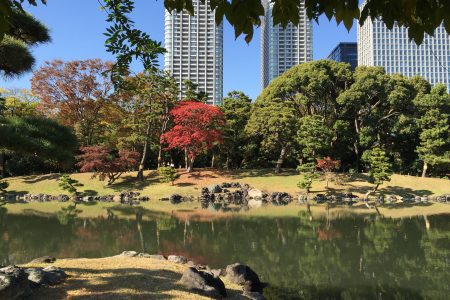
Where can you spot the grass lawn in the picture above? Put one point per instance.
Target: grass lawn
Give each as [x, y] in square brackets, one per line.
[191, 184]
[122, 278]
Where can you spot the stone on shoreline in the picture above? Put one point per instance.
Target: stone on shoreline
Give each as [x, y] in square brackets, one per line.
[177, 259]
[14, 283]
[243, 275]
[43, 260]
[253, 295]
[47, 276]
[203, 283]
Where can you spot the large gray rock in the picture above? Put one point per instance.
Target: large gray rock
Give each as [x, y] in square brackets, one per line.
[203, 283]
[177, 259]
[175, 198]
[157, 256]
[43, 260]
[54, 275]
[129, 253]
[215, 188]
[14, 283]
[243, 275]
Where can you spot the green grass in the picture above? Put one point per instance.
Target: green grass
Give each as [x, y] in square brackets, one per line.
[191, 184]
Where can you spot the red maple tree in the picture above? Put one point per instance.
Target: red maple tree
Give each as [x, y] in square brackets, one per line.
[327, 165]
[105, 164]
[197, 129]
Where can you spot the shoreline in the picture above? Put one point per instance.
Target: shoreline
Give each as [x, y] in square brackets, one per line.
[192, 211]
[124, 277]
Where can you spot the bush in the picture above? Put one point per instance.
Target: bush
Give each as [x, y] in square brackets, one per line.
[167, 174]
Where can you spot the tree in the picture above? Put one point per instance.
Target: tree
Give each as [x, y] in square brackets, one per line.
[167, 174]
[313, 136]
[148, 99]
[309, 175]
[192, 93]
[198, 127]
[236, 109]
[38, 137]
[75, 93]
[380, 168]
[327, 165]
[21, 32]
[274, 122]
[434, 126]
[105, 164]
[19, 103]
[69, 184]
[373, 105]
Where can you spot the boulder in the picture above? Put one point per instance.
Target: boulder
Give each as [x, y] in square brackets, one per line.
[243, 275]
[203, 283]
[214, 189]
[129, 253]
[43, 260]
[254, 203]
[255, 193]
[14, 283]
[117, 198]
[175, 198]
[54, 275]
[177, 259]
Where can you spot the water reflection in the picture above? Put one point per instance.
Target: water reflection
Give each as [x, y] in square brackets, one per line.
[301, 258]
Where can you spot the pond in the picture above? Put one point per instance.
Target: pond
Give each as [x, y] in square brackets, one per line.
[300, 258]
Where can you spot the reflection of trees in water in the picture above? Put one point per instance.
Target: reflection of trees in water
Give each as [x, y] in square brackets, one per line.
[351, 257]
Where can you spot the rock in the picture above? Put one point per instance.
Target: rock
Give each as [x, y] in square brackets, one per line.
[214, 189]
[36, 276]
[129, 253]
[54, 275]
[191, 263]
[424, 199]
[280, 198]
[243, 275]
[216, 272]
[253, 203]
[175, 198]
[177, 259]
[157, 256]
[255, 193]
[117, 198]
[253, 295]
[144, 255]
[14, 283]
[43, 260]
[203, 283]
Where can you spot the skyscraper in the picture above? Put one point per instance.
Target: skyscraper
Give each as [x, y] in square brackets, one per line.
[194, 47]
[345, 52]
[281, 48]
[392, 49]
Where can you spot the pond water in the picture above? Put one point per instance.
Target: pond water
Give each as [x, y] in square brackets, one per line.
[300, 258]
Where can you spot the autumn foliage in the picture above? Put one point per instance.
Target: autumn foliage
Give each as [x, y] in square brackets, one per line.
[327, 165]
[197, 128]
[105, 164]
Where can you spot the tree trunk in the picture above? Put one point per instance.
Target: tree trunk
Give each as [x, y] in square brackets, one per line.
[2, 165]
[140, 174]
[280, 160]
[356, 151]
[212, 161]
[190, 164]
[425, 168]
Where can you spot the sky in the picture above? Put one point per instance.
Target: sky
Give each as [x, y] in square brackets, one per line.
[77, 27]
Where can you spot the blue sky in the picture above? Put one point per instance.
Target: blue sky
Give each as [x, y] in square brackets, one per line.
[76, 28]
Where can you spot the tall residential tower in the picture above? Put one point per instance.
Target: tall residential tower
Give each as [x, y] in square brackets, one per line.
[283, 48]
[392, 49]
[194, 47]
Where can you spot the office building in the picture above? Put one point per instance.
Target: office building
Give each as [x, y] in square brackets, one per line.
[194, 47]
[345, 52]
[283, 48]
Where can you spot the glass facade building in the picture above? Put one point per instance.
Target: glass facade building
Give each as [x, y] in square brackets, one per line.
[345, 52]
[283, 48]
[194, 47]
[392, 49]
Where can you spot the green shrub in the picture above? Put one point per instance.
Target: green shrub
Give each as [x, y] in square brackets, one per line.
[167, 174]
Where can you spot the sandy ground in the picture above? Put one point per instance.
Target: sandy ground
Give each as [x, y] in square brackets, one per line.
[122, 278]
